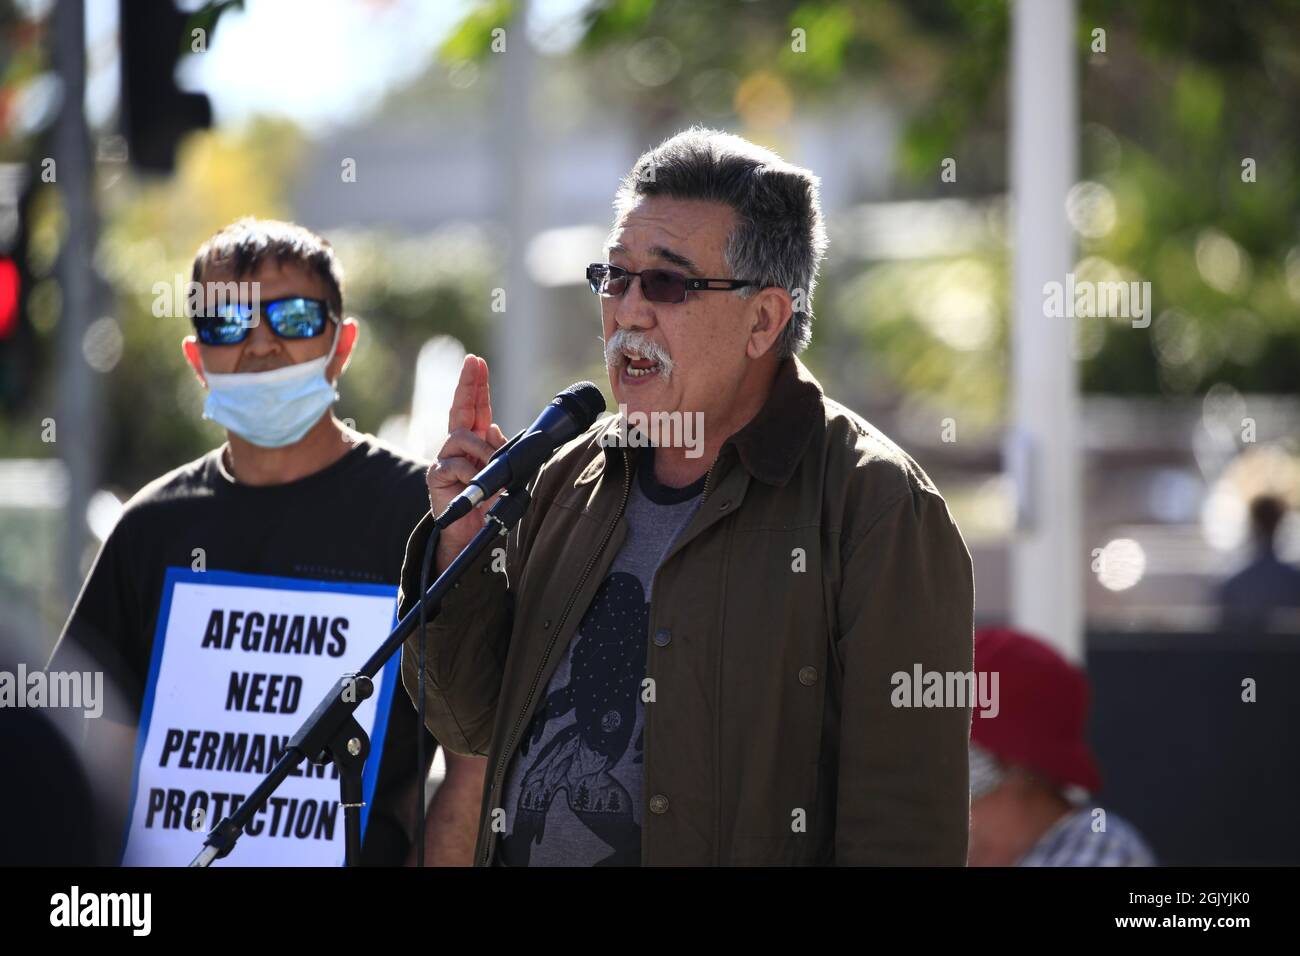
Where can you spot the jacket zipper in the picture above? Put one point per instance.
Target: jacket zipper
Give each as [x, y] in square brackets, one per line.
[499, 772]
[708, 477]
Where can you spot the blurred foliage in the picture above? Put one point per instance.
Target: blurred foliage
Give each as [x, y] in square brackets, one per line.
[1181, 95]
[474, 33]
[1184, 95]
[150, 228]
[23, 58]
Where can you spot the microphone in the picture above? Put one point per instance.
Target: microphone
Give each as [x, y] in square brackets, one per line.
[568, 415]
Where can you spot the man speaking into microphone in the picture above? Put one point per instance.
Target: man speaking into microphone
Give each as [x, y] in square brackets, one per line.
[686, 652]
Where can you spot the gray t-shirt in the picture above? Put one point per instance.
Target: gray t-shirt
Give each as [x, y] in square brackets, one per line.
[573, 790]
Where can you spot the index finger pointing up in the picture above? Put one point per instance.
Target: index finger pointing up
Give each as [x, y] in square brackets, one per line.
[464, 401]
[483, 400]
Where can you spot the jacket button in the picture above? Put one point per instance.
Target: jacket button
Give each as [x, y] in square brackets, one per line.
[807, 676]
[662, 637]
[724, 506]
[658, 803]
[546, 625]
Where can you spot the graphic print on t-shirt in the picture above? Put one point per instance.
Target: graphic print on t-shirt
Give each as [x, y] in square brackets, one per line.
[574, 792]
[597, 713]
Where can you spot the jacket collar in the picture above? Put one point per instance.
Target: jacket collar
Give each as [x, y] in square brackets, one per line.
[772, 443]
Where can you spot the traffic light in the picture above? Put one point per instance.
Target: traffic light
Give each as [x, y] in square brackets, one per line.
[155, 113]
[17, 340]
[10, 295]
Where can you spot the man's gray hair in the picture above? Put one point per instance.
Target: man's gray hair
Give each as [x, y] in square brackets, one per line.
[779, 238]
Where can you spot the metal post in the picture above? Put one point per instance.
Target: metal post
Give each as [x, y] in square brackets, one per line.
[1046, 569]
[76, 432]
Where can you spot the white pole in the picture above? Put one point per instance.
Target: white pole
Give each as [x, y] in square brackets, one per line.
[518, 340]
[1046, 568]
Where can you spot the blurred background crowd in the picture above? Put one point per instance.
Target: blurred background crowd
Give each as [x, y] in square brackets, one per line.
[462, 157]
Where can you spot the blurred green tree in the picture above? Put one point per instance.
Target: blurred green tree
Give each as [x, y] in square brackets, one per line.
[1188, 169]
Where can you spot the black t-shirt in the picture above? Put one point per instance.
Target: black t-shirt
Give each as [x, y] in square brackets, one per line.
[348, 522]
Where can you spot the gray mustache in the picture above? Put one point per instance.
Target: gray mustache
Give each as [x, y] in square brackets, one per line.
[639, 344]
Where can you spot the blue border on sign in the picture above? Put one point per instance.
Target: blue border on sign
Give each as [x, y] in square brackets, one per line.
[383, 706]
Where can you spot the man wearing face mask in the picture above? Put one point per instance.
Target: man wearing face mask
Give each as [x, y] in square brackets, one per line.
[293, 493]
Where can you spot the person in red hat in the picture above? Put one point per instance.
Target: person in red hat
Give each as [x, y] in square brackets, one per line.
[1031, 768]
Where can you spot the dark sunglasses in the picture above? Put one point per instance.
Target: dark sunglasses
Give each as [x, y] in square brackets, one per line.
[291, 318]
[657, 285]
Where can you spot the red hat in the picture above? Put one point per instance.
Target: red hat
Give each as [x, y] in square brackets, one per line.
[1042, 708]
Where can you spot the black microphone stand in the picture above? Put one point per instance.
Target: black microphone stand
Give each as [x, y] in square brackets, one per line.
[332, 732]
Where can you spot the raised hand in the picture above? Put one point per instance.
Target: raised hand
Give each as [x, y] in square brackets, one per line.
[472, 438]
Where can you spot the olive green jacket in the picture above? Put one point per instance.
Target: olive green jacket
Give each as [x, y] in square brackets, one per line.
[820, 563]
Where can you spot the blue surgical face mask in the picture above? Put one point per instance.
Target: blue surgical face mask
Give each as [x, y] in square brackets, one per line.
[272, 409]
